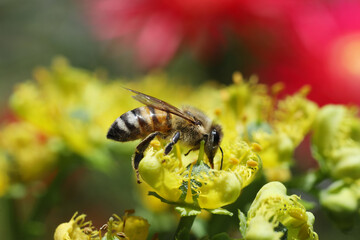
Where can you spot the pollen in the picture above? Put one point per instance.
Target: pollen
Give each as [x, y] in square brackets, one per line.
[256, 147]
[155, 143]
[217, 112]
[298, 214]
[234, 160]
[252, 163]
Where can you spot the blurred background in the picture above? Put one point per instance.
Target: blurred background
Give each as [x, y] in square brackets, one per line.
[297, 42]
[192, 42]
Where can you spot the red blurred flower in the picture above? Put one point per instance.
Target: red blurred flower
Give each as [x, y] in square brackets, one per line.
[323, 50]
[299, 42]
[156, 29]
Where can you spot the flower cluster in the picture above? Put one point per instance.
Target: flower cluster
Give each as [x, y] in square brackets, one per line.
[65, 112]
[128, 227]
[278, 125]
[28, 152]
[336, 141]
[186, 181]
[336, 145]
[275, 215]
[252, 118]
[69, 104]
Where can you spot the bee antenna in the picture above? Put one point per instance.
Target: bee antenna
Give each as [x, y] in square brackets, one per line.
[222, 157]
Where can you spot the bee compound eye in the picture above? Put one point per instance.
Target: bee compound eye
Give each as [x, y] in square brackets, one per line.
[215, 136]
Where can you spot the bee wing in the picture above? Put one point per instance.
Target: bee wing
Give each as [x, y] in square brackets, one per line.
[161, 105]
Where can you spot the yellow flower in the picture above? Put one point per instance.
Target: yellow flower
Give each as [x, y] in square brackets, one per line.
[289, 124]
[261, 229]
[336, 141]
[134, 227]
[130, 228]
[151, 203]
[180, 179]
[274, 215]
[76, 107]
[74, 229]
[253, 111]
[30, 153]
[69, 104]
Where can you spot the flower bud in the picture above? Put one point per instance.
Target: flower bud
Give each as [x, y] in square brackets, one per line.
[339, 198]
[274, 215]
[336, 141]
[136, 228]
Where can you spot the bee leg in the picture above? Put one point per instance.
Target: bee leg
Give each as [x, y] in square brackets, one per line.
[139, 153]
[170, 145]
[192, 149]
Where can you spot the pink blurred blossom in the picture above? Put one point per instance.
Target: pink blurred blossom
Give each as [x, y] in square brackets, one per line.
[157, 29]
[323, 39]
[299, 42]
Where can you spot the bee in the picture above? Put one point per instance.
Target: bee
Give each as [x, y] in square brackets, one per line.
[188, 126]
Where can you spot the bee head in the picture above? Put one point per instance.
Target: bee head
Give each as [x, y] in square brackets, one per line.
[213, 142]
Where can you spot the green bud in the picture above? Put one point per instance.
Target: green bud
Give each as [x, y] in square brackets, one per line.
[336, 141]
[339, 198]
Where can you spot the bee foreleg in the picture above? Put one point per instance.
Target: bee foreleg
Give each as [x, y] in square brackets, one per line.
[173, 141]
[139, 152]
[192, 149]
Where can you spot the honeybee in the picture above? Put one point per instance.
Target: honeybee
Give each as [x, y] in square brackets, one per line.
[188, 126]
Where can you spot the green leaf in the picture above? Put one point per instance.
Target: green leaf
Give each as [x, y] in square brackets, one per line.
[154, 194]
[220, 211]
[243, 223]
[187, 211]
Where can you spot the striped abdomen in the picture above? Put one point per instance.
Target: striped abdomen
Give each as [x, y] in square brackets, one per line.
[138, 123]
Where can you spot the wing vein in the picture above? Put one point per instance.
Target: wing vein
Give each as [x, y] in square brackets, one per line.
[161, 105]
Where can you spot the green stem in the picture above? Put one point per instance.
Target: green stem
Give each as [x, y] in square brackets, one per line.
[201, 153]
[34, 224]
[184, 227]
[11, 224]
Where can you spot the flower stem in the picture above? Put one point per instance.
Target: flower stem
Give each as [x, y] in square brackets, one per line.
[184, 227]
[201, 152]
[34, 225]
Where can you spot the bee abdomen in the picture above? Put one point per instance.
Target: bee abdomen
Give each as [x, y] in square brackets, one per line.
[138, 123]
